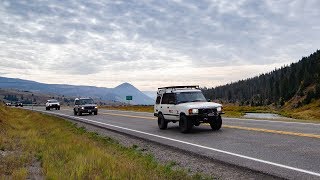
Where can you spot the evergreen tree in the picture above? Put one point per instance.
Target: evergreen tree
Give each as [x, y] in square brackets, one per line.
[274, 87]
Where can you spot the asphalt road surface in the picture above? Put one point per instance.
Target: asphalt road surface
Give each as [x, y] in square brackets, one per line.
[285, 149]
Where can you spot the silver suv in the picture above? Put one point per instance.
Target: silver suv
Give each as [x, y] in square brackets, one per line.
[84, 105]
[187, 105]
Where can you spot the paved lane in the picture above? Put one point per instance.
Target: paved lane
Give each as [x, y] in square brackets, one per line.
[293, 156]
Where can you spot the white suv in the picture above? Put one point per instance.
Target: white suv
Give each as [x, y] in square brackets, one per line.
[52, 104]
[187, 105]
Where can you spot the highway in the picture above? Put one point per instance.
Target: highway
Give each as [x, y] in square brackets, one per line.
[288, 150]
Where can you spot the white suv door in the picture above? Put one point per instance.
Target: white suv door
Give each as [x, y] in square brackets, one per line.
[168, 107]
[157, 105]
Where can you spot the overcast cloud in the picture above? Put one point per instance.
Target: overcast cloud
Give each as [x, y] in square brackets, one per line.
[153, 43]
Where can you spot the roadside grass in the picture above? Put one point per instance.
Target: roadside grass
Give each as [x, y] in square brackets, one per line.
[310, 111]
[68, 152]
[238, 111]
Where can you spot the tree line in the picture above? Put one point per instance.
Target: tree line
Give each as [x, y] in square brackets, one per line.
[301, 79]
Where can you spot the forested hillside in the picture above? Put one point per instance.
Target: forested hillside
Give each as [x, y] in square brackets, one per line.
[298, 83]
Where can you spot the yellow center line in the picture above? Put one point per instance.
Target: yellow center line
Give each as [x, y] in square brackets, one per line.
[274, 131]
[234, 127]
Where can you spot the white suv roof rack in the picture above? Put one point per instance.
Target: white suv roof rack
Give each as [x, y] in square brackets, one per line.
[180, 87]
[174, 88]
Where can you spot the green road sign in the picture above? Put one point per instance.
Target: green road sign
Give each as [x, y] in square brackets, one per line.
[128, 98]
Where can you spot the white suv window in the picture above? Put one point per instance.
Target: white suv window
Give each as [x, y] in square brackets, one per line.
[183, 97]
[158, 100]
[168, 98]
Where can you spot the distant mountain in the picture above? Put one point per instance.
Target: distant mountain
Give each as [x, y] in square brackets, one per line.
[298, 84]
[118, 93]
[127, 89]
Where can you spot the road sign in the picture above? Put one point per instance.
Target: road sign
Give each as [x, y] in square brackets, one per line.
[128, 98]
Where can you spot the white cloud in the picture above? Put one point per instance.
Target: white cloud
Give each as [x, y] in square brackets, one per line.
[153, 43]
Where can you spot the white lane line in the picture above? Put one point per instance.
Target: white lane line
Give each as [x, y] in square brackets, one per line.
[195, 145]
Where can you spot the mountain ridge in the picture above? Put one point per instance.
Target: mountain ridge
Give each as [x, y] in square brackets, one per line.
[117, 93]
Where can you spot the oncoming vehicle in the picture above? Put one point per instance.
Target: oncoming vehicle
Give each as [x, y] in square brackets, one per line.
[52, 103]
[84, 105]
[18, 104]
[186, 105]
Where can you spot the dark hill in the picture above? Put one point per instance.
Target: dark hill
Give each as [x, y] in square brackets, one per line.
[109, 94]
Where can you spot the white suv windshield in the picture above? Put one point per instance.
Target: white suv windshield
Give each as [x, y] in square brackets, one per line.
[86, 101]
[52, 101]
[184, 97]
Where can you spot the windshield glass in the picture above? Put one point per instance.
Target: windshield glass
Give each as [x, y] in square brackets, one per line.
[86, 101]
[183, 97]
[52, 101]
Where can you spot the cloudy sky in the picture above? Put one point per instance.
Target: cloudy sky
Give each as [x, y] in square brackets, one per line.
[153, 43]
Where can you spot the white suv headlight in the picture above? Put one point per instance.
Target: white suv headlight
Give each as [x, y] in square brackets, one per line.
[193, 111]
[219, 109]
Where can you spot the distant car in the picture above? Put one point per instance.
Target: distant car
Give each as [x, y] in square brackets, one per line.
[8, 104]
[18, 104]
[52, 104]
[187, 105]
[84, 105]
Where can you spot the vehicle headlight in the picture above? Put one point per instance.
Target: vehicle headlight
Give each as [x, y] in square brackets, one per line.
[96, 107]
[193, 111]
[219, 109]
[82, 107]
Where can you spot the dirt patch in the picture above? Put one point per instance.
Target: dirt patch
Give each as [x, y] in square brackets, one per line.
[35, 170]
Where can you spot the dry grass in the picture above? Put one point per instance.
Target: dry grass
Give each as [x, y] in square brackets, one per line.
[68, 152]
[310, 111]
[238, 111]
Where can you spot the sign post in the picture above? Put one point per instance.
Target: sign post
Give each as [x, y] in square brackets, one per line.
[129, 98]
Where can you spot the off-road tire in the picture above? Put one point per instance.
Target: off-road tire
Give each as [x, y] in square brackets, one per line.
[216, 123]
[162, 122]
[47, 108]
[95, 113]
[185, 124]
[79, 113]
[75, 112]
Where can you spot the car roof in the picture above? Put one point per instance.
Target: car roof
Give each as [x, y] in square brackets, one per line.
[82, 98]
